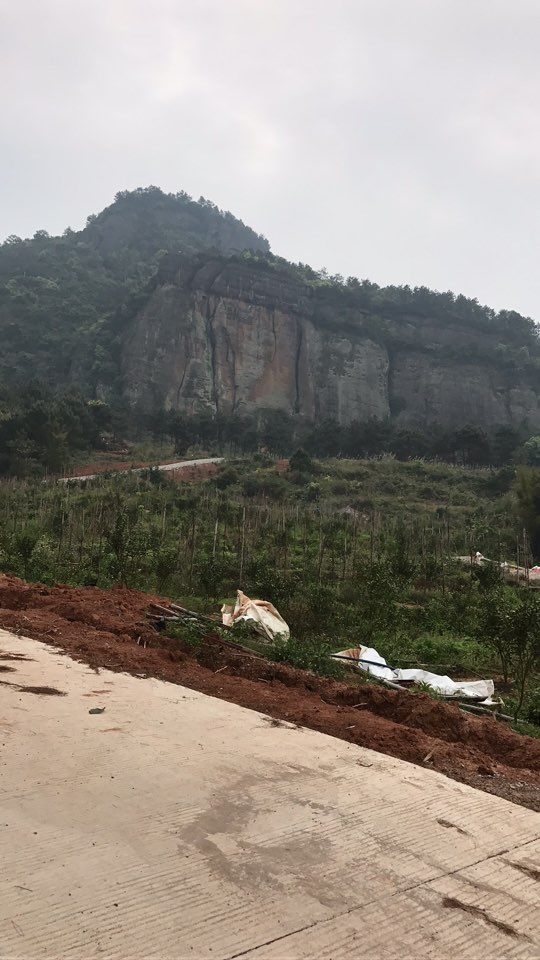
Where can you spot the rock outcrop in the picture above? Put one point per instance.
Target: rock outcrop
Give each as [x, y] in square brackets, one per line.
[231, 336]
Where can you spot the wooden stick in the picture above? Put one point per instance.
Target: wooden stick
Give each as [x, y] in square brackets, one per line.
[200, 616]
[477, 709]
[166, 611]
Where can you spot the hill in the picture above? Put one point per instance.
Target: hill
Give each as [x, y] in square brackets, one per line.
[165, 308]
[58, 294]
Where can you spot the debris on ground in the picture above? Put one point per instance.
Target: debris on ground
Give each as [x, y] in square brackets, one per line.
[511, 572]
[259, 614]
[369, 660]
[108, 629]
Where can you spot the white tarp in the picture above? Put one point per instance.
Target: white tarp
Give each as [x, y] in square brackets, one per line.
[510, 571]
[369, 660]
[260, 614]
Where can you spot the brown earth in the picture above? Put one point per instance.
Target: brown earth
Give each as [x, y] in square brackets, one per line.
[107, 628]
[117, 462]
[193, 474]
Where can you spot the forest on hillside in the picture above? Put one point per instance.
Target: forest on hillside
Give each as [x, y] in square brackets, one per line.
[59, 296]
[43, 432]
[66, 301]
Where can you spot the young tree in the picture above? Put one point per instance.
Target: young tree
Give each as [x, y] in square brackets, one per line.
[531, 452]
[528, 495]
[496, 624]
[526, 644]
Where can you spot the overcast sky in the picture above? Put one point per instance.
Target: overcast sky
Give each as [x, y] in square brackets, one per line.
[392, 139]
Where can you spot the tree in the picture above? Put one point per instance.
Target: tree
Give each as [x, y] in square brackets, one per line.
[528, 496]
[325, 439]
[471, 446]
[531, 452]
[505, 440]
[180, 430]
[496, 624]
[301, 461]
[276, 431]
[526, 644]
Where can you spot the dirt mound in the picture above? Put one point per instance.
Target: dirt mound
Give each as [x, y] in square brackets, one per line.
[107, 628]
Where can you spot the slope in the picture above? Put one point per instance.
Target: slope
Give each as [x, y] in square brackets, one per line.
[107, 628]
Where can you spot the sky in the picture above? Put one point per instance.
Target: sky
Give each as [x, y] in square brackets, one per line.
[397, 140]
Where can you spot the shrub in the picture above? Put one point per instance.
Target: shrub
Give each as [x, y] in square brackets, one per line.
[314, 655]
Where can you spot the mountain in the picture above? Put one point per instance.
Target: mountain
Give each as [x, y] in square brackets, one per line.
[170, 303]
[58, 294]
[233, 334]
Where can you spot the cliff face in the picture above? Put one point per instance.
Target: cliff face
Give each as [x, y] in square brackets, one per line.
[230, 337]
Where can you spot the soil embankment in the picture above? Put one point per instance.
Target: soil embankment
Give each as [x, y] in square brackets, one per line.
[107, 628]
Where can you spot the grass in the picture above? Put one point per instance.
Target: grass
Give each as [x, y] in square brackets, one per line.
[342, 573]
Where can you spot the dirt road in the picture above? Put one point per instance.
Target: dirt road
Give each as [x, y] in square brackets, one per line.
[166, 467]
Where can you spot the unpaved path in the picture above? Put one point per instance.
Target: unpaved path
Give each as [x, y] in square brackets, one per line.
[165, 467]
[175, 825]
[107, 628]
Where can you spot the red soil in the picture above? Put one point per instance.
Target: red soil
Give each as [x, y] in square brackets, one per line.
[107, 628]
[114, 463]
[193, 474]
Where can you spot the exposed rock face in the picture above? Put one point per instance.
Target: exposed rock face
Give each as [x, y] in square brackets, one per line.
[231, 337]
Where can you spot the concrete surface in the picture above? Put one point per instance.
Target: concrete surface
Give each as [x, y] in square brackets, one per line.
[175, 825]
[179, 465]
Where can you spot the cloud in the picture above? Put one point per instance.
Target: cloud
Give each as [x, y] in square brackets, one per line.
[380, 138]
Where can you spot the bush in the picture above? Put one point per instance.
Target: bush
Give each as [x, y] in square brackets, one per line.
[189, 634]
[532, 714]
[265, 485]
[314, 655]
[226, 477]
[301, 462]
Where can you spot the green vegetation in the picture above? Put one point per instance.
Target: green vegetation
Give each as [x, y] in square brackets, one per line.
[41, 432]
[383, 313]
[45, 432]
[355, 541]
[66, 302]
[351, 552]
[64, 299]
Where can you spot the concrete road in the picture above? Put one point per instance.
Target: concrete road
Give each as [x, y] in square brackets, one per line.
[175, 825]
[179, 465]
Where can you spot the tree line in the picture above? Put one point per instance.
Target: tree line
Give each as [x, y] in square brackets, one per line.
[279, 433]
[43, 431]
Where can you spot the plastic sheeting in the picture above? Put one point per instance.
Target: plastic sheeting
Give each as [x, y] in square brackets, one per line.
[509, 571]
[370, 660]
[259, 614]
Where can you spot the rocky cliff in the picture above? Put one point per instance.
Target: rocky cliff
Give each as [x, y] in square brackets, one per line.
[233, 335]
[161, 299]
